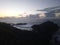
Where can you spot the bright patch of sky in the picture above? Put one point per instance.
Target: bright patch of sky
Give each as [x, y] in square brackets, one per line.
[16, 7]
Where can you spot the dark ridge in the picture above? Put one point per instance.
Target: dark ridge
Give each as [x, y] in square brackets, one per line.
[40, 35]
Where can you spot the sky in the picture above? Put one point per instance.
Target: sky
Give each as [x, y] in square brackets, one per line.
[18, 7]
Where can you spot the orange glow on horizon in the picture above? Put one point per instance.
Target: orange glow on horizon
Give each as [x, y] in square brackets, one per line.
[13, 15]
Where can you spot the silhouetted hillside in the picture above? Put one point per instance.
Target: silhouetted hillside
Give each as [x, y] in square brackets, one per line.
[7, 34]
[40, 35]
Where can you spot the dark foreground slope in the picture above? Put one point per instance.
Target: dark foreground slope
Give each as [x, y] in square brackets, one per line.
[10, 35]
[40, 35]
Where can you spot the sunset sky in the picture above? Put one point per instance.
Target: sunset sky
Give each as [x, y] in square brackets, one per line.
[17, 7]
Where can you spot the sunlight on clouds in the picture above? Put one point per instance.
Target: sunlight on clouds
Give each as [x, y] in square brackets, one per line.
[15, 12]
[10, 13]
